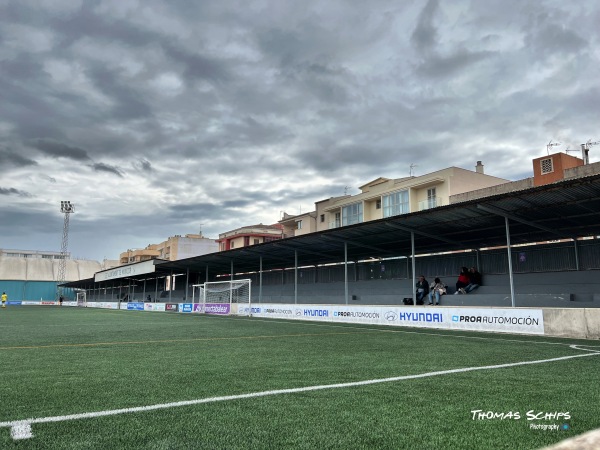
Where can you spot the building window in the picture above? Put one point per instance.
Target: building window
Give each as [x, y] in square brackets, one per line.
[546, 165]
[395, 203]
[299, 225]
[246, 241]
[322, 218]
[431, 198]
[256, 241]
[352, 214]
[378, 204]
[232, 244]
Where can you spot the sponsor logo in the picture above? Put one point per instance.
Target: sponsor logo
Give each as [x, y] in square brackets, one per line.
[171, 307]
[391, 316]
[135, 306]
[497, 320]
[278, 311]
[298, 312]
[217, 308]
[253, 310]
[197, 307]
[186, 307]
[420, 317]
[357, 314]
[316, 312]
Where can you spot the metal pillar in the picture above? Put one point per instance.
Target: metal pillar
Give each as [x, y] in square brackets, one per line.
[414, 267]
[260, 274]
[346, 271]
[510, 270]
[295, 277]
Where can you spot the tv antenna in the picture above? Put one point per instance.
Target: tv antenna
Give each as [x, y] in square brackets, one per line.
[551, 144]
[585, 150]
[410, 171]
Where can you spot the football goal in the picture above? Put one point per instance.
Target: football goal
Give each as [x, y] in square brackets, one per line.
[81, 299]
[224, 297]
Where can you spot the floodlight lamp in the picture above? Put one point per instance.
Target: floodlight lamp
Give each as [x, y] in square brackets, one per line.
[66, 207]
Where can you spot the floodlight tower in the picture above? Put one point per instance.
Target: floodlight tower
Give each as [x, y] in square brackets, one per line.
[67, 208]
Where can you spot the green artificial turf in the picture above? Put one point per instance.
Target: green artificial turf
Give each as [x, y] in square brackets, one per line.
[61, 361]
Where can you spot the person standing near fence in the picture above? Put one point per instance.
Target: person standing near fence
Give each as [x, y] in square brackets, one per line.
[4, 299]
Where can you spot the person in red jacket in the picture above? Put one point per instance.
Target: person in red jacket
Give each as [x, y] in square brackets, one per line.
[463, 281]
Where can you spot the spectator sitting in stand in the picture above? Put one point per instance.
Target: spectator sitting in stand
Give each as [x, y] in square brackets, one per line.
[474, 280]
[422, 289]
[437, 289]
[463, 281]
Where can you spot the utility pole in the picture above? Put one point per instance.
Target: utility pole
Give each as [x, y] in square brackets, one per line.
[67, 208]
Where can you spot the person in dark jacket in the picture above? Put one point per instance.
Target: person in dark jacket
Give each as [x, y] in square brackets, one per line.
[422, 289]
[463, 281]
[474, 280]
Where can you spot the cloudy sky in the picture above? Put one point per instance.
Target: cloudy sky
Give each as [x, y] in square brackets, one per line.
[158, 117]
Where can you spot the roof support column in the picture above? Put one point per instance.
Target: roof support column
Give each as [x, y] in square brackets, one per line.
[510, 269]
[576, 254]
[187, 283]
[346, 271]
[156, 290]
[144, 291]
[207, 273]
[414, 267]
[231, 285]
[295, 277]
[170, 285]
[260, 273]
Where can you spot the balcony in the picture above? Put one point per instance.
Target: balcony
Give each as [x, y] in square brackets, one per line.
[335, 224]
[430, 203]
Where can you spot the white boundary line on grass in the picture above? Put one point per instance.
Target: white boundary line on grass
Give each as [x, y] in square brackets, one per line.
[21, 429]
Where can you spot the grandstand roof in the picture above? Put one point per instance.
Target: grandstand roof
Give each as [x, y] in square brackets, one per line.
[564, 210]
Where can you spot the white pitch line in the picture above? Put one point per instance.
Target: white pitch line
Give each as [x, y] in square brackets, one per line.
[21, 429]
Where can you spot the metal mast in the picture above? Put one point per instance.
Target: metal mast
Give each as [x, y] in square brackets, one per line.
[67, 208]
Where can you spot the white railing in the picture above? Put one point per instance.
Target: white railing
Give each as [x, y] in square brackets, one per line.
[430, 203]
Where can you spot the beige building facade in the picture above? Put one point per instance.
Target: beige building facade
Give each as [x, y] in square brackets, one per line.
[174, 248]
[385, 197]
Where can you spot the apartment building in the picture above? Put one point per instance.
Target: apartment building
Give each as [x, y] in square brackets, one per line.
[249, 235]
[386, 197]
[174, 248]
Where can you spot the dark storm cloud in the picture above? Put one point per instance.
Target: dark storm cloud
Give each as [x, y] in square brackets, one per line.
[101, 167]
[226, 114]
[424, 36]
[143, 165]
[129, 103]
[51, 147]
[443, 66]
[13, 191]
[8, 158]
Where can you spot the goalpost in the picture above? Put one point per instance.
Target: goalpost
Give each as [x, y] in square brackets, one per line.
[224, 297]
[81, 299]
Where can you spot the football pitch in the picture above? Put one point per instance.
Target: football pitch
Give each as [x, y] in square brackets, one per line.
[82, 378]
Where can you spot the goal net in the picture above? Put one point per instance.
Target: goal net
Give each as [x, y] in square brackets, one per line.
[81, 299]
[224, 297]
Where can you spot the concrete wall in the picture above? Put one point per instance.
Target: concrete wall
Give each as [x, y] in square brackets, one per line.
[573, 323]
[37, 269]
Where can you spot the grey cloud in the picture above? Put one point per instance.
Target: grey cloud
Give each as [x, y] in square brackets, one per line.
[101, 167]
[59, 149]
[424, 36]
[8, 158]
[143, 165]
[13, 191]
[444, 66]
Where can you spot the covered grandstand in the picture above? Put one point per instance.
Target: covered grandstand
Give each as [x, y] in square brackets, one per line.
[339, 265]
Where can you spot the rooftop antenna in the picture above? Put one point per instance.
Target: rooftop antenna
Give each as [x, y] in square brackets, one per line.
[346, 190]
[200, 232]
[412, 166]
[585, 150]
[550, 145]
